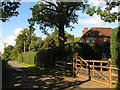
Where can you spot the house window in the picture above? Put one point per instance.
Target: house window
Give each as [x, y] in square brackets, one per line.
[90, 40]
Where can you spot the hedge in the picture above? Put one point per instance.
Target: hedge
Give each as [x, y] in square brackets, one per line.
[115, 46]
[27, 57]
[47, 57]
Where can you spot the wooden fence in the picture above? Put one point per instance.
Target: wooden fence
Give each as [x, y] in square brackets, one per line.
[97, 70]
[65, 66]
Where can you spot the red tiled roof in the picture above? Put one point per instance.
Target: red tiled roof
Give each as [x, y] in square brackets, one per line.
[103, 30]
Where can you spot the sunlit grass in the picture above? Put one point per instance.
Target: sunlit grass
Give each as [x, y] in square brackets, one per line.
[26, 64]
[116, 87]
[42, 71]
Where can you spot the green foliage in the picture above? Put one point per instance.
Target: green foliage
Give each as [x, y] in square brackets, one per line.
[98, 49]
[106, 14]
[7, 52]
[8, 9]
[58, 15]
[115, 46]
[47, 57]
[77, 39]
[33, 47]
[51, 40]
[82, 49]
[13, 54]
[69, 38]
[25, 37]
[27, 57]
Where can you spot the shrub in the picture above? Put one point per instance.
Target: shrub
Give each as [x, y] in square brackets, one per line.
[115, 49]
[115, 46]
[47, 57]
[83, 49]
[98, 49]
[27, 57]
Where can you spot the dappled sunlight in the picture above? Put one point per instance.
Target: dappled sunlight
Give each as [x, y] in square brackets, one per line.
[28, 77]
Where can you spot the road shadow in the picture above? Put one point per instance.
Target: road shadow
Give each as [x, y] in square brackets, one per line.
[34, 77]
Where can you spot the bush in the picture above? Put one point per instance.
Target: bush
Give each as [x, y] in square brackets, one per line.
[115, 46]
[47, 57]
[98, 49]
[27, 57]
[115, 49]
[83, 49]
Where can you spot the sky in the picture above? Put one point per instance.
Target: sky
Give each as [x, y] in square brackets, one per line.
[10, 29]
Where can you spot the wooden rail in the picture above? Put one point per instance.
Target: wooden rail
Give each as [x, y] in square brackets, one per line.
[98, 70]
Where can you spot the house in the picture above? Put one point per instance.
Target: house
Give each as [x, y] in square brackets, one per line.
[96, 35]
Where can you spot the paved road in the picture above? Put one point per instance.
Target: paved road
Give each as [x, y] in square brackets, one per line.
[24, 77]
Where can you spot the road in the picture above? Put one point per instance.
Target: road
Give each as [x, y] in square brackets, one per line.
[25, 77]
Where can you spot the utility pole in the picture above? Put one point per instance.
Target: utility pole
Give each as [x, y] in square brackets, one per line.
[24, 51]
[24, 46]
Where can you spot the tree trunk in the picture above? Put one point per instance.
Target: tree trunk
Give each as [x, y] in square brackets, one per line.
[62, 38]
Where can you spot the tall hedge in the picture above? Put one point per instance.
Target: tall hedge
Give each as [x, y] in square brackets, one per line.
[115, 46]
[47, 57]
[27, 57]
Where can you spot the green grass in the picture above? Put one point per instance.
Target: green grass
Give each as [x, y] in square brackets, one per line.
[116, 87]
[43, 71]
[26, 64]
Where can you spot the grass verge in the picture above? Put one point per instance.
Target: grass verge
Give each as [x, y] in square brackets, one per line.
[43, 71]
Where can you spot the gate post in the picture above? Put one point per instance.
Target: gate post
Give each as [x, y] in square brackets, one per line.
[74, 68]
[89, 73]
[110, 74]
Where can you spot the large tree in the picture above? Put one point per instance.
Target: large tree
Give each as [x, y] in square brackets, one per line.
[58, 14]
[7, 52]
[25, 38]
[8, 9]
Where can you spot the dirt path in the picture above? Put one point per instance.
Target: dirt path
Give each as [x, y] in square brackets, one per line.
[24, 77]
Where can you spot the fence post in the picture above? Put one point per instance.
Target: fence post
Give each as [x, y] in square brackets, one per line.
[74, 67]
[89, 73]
[110, 70]
[101, 67]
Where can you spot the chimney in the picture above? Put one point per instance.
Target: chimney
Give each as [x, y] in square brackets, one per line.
[85, 30]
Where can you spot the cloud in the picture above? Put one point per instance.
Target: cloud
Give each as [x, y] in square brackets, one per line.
[115, 10]
[95, 20]
[17, 31]
[96, 2]
[10, 40]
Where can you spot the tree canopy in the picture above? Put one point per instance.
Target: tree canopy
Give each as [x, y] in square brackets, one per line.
[107, 15]
[7, 52]
[26, 36]
[8, 9]
[58, 14]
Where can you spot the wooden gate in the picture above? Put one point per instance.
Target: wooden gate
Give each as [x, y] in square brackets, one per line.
[99, 71]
